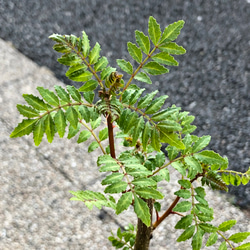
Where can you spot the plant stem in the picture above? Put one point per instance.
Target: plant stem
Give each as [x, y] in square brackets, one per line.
[111, 136]
[143, 234]
[166, 214]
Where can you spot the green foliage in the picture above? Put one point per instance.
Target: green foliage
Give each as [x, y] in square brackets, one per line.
[125, 239]
[146, 127]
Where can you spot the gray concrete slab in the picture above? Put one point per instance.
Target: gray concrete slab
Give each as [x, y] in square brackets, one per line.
[35, 210]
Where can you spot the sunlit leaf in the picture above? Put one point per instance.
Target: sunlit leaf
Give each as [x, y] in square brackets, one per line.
[24, 128]
[143, 41]
[124, 202]
[154, 30]
[48, 96]
[142, 210]
[135, 52]
[154, 68]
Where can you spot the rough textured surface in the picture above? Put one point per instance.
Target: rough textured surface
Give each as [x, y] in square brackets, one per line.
[212, 80]
[35, 211]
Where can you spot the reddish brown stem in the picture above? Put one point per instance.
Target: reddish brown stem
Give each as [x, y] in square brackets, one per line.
[166, 214]
[169, 211]
[111, 136]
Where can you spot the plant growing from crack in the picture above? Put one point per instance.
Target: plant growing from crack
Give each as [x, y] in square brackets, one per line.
[145, 128]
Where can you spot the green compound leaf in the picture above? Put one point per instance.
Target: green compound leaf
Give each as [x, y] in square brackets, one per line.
[143, 41]
[209, 157]
[38, 132]
[185, 183]
[183, 206]
[78, 73]
[172, 152]
[145, 101]
[142, 210]
[169, 126]
[223, 246]
[172, 139]
[200, 192]
[89, 96]
[239, 237]
[94, 54]
[73, 40]
[172, 48]
[106, 72]
[143, 182]
[103, 134]
[245, 246]
[85, 76]
[101, 64]
[69, 59]
[85, 113]
[154, 68]
[74, 93]
[143, 77]
[35, 102]
[62, 94]
[124, 202]
[179, 167]
[187, 234]
[165, 58]
[146, 135]
[84, 136]
[135, 96]
[165, 174]
[90, 198]
[184, 222]
[62, 48]
[72, 117]
[156, 105]
[114, 177]
[201, 143]
[49, 127]
[134, 52]
[193, 163]
[96, 123]
[27, 111]
[212, 239]
[125, 66]
[72, 131]
[155, 140]
[24, 128]
[154, 30]
[204, 209]
[85, 47]
[172, 31]
[117, 187]
[148, 192]
[89, 86]
[138, 172]
[48, 96]
[137, 130]
[183, 193]
[93, 145]
[60, 122]
[245, 179]
[109, 164]
[209, 228]
[197, 240]
[157, 206]
[131, 122]
[105, 159]
[58, 38]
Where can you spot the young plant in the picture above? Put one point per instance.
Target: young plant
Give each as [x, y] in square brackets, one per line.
[145, 128]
